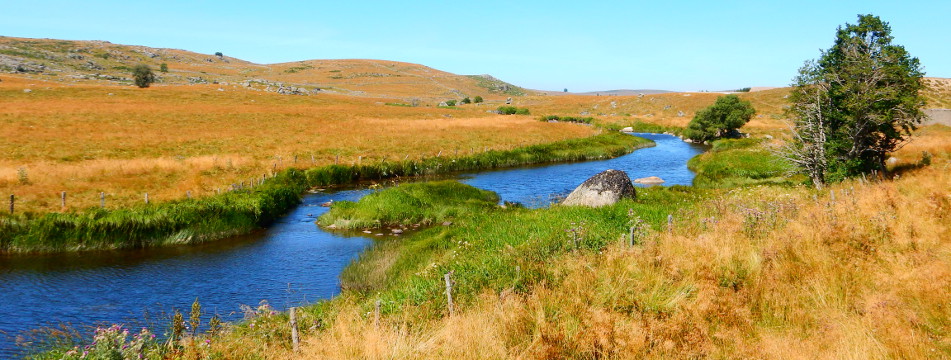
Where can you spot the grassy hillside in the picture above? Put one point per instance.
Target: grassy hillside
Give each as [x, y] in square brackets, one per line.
[107, 63]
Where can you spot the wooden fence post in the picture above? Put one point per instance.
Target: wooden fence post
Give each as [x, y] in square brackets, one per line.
[670, 223]
[62, 197]
[312, 160]
[360, 160]
[146, 198]
[188, 194]
[631, 234]
[294, 338]
[337, 159]
[376, 314]
[102, 199]
[449, 291]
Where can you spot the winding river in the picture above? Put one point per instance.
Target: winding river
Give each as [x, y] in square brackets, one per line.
[291, 263]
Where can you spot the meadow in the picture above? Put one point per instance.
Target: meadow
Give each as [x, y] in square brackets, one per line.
[169, 141]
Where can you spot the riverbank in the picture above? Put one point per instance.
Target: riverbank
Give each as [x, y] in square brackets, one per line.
[247, 207]
[762, 271]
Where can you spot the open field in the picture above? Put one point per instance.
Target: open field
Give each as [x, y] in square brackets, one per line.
[167, 140]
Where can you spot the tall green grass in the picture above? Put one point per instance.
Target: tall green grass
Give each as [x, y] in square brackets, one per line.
[498, 249]
[737, 162]
[408, 204]
[231, 213]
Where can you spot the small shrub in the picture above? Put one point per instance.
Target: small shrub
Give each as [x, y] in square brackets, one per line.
[143, 76]
[477, 99]
[219, 54]
[163, 68]
[465, 100]
[521, 111]
[22, 176]
[450, 102]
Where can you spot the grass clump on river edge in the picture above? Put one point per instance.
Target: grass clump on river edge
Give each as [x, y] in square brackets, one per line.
[239, 211]
[408, 204]
[740, 162]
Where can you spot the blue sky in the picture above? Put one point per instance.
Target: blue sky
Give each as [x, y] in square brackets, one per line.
[582, 46]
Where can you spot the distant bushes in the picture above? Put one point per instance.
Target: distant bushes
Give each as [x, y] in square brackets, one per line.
[574, 119]
[511, 110]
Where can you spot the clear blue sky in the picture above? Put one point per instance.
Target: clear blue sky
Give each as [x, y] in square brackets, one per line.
[582, 46]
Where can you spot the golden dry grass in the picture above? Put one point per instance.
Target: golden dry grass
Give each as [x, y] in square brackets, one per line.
[669, 109]
[167, 140]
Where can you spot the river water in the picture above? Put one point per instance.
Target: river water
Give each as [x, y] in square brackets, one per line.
[290, 263]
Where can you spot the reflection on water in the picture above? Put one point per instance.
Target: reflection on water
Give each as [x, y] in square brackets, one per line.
[291, 263]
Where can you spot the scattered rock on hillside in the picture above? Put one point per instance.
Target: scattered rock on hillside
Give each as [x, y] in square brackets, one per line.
[650, 180]
[605, 188]
[627, 129]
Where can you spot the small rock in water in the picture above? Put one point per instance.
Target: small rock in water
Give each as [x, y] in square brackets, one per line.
[397, 231]
[650, 180]
[332, 226]
[367, 232]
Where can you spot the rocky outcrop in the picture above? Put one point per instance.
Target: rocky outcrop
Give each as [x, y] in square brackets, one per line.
[605, 188]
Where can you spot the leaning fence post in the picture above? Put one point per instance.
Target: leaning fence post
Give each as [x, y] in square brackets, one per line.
[102, 200]
[449, 291]
[376, 314]
[294, 338]
[12, 200]
[62, 197]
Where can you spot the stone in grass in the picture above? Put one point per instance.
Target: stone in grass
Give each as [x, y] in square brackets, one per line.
[605, 188]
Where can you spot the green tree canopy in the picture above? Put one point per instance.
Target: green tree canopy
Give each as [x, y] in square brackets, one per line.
[143, 76]
[722, 118]
[857, 103]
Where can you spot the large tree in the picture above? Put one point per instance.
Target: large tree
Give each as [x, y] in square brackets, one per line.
[722, 118]
[857, 103]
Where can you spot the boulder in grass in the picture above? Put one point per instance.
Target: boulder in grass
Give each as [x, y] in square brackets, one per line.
[605, 188]
[627, 129]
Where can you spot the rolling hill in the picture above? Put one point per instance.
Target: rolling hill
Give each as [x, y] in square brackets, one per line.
[104, 62]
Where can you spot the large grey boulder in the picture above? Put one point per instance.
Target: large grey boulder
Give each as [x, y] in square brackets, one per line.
[605, 188]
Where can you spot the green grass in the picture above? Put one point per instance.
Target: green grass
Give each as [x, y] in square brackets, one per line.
[236, 212]
[736, 162]
[498, 249]
[407, 204]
